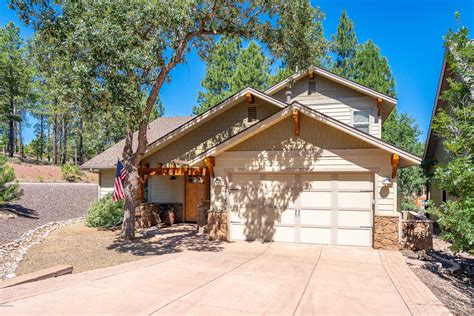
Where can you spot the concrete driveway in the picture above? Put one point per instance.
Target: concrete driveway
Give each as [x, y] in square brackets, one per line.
[244, 278]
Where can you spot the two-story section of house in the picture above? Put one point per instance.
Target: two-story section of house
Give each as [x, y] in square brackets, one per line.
[302, 161]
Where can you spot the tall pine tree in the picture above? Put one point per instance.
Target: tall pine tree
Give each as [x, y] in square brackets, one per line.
[372, 70]
[220, 68]
[252, 69]
[231, 68]
[299, 40]
[344, 45]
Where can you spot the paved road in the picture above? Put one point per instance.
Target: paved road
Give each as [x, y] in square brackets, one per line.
[243, 278]
[42, 203]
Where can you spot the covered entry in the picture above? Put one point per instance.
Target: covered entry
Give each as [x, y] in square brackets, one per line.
[323, 208]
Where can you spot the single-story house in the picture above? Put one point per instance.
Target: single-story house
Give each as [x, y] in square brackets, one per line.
[302, 161]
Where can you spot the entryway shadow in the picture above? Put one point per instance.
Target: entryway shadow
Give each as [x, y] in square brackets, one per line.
[160, 241]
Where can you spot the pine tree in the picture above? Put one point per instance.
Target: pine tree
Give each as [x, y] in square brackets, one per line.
[220, 68]
[299, 41]
[15, 77]
[252, 69]
[9, 188]
[372, 70]
[231, 68]
[344, 45]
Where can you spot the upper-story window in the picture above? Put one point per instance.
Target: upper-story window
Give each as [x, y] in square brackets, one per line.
[361, 120]
[311, 87]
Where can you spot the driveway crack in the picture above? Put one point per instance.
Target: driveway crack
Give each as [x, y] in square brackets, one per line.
[309, 279]
[212, 280]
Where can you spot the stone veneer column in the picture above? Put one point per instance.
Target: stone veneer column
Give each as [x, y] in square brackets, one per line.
[217, 225]
[386, 232]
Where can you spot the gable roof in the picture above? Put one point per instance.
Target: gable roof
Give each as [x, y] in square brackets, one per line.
[387, 100]
[407, 158]
[156, 129]
[207, 115]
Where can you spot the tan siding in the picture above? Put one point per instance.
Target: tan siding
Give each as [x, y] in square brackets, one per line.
[313, 135]
[106, 182]
[163, 190]
[334, 100]
[213, 132]
[333, 161]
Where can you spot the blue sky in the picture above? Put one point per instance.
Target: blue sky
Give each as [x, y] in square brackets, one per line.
[408, 32]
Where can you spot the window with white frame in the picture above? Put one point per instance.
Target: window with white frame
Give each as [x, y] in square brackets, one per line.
[361, 120]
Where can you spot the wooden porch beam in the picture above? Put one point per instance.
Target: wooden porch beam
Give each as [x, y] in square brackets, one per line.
[210, 163]
[296, 122]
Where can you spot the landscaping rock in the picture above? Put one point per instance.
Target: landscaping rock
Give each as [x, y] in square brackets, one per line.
[12, 253]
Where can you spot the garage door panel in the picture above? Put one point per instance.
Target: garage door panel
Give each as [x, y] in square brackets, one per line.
[354, 218]
[245, 232]
[311, 182]
[279, 233]
[315, 217]
[355, 181]
[279, 199]
[315, 199]
[279, 216]
[315, 235]
[354, 237]
[244, 196]
[244, 214]
[355, 200]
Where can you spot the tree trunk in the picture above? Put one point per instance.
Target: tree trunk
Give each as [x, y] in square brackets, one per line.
[20, 136]
[41, 143]
[81, 143]
[55, 139]
[48, 138]
[64, 139]
[11, 137]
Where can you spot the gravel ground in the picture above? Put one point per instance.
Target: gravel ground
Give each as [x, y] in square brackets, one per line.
[43, 203]
[87, 248]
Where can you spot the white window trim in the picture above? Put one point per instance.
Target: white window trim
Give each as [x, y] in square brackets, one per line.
[369, 125]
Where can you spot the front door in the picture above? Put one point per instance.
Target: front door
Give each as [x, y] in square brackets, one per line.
[197, 189]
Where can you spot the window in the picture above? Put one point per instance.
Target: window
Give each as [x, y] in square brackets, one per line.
[361, 121]
[252, 113]
[311, 87]
[445, 196]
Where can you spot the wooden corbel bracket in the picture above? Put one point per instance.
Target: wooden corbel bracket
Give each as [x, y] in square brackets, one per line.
[210, 163]
[395, 161]
[296, 122]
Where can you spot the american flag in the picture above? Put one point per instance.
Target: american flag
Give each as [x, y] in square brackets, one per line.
[118, 183]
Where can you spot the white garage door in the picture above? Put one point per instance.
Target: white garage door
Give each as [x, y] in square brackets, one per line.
[307, 208]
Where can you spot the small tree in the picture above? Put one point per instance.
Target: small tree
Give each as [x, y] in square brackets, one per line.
[9, 188]
[454, 124]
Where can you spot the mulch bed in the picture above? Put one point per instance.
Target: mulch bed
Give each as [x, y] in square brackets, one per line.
[455, 289]
[42, 204]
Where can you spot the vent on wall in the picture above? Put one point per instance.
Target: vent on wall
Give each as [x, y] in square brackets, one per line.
[311, 87]
[252, 113]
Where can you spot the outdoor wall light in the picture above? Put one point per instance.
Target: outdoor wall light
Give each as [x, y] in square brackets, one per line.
[386, 181]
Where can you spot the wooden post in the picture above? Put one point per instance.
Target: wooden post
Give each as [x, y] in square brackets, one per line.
[249, 97]
[310, 74]
[296, 122]
[210, 163]
[395, 160]
[379, 107]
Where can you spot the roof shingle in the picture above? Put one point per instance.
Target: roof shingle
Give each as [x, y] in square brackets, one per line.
[156, 129]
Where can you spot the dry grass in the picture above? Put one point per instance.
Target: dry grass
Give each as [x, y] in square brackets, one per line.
[28, 172]
[88, 248]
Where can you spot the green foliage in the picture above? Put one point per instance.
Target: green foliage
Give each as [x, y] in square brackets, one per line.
[71, 173]
[372, 70]
[9, 187]
[231, 68]
[401, 130]
[344, 45]
[105, 213]
[298, 42]
[454, 124]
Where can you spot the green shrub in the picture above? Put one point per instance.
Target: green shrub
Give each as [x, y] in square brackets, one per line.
[71, 173]
[105, 213]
